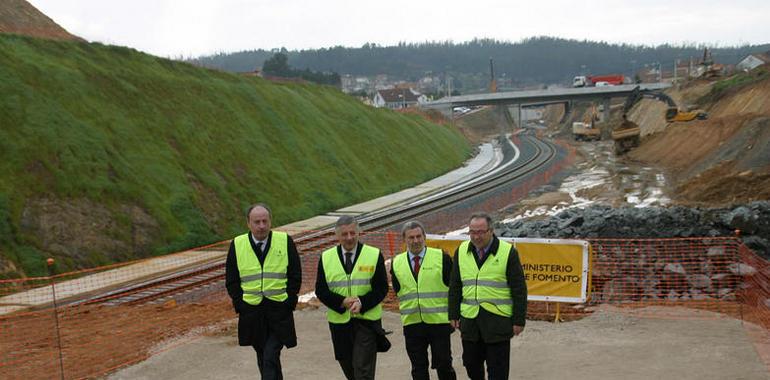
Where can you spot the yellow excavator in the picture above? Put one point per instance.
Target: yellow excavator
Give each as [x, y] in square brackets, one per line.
[626, 136]
[587, 130]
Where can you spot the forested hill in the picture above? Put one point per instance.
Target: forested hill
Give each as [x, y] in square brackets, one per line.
[533, 60]
[108, 154]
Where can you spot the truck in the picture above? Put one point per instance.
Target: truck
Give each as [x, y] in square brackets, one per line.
[612, 79]
[626, 136]
[606, 80]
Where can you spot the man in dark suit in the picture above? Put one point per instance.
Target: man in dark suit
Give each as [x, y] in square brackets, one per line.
[352, 283]
[487, 299]
[421, 280]
[263, 275]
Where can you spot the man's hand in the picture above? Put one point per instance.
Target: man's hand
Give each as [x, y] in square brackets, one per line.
[517, 330]
[355, 308]
[455, 324]
[348, 302]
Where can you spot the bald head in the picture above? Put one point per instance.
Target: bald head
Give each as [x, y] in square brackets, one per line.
[259, 221]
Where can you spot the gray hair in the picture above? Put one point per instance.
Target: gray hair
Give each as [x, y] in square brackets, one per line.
[482, 215]
[344, 221]
[410, 225]
[260, 204]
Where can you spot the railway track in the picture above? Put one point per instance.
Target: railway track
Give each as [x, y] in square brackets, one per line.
[532, 155]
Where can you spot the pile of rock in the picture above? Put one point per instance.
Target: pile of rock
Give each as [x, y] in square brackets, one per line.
[753, 221]
[698, 268]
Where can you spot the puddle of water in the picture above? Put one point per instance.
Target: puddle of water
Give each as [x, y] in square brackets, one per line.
[571, 185]
[626, 182]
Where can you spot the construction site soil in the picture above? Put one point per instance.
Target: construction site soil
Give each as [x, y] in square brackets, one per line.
[21, 17]
[719, 161]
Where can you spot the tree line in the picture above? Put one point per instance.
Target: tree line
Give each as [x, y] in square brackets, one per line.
[531, 60]
[278, 66]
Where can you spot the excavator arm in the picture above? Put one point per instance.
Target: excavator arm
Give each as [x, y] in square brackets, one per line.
[673, 113]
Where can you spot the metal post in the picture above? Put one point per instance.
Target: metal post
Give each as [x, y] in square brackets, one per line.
[675, 68]
[50, 263]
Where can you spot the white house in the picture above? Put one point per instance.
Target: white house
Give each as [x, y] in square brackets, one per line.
[753, 61]
[398, 98]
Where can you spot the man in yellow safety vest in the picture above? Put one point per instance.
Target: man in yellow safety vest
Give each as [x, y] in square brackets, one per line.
[263, 275]
[487, 299]
[352, 283]
[421, 281]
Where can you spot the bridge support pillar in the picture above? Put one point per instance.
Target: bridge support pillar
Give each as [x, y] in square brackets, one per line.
[446, 111]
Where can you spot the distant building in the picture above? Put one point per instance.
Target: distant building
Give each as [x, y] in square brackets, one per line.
[752, 61]
[398, 98]
[351, 84]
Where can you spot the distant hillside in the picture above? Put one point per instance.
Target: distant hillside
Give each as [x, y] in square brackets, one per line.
[533, 60]
[109, 154]
[21, 17]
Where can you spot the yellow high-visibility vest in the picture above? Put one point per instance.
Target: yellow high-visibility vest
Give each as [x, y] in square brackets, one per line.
[358, 283]
[426, 298]
[486, 286]
[268, 280]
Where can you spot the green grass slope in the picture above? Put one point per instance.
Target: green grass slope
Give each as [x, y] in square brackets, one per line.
[110, 154]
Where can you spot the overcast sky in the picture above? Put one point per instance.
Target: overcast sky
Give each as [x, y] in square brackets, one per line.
[173, 28]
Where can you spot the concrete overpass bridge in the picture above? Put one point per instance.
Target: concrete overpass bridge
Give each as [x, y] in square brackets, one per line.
[542, 97]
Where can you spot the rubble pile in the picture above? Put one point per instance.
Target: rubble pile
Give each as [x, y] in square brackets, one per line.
[753, 221]
[646, 273]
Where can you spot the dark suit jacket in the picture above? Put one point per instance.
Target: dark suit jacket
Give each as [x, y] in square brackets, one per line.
[489, 327]
[254, 321]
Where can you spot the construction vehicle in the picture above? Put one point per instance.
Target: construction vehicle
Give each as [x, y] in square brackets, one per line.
[598, 80]
[586, 130]
[626, 135]
[709, 69]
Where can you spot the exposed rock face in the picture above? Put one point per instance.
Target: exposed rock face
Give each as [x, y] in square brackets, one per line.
[753, 220]
[82, 231]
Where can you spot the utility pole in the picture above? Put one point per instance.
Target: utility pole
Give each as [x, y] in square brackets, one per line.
[676, 64]
[492, 82]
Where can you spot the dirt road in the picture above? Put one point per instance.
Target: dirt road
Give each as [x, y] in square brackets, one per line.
[606, 345]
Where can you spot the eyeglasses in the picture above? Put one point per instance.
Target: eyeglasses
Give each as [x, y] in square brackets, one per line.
[478, 232]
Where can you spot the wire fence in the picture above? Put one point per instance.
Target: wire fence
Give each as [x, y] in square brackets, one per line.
[74, 338]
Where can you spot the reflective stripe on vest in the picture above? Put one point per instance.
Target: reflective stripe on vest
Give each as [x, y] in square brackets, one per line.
[486, 287]
[358, 283]
[425, 299]
[258, 280]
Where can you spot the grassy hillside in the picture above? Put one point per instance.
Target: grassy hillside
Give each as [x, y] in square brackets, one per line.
[110, 154]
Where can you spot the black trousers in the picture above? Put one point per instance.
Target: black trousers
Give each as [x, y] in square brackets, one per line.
[269, 357]
[497, 356]
[418, 338]
[364, 359]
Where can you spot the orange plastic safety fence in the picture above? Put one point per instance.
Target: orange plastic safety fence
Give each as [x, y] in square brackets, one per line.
[715, 274]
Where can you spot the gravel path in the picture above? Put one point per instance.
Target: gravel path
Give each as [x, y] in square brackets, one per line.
[690, 344]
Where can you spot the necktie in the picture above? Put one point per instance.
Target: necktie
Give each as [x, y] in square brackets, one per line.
[481, 254]
[348, 262]
[416, 265]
